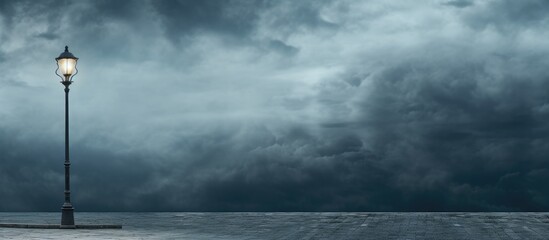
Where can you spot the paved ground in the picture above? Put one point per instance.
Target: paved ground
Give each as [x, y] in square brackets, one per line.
[289, 226]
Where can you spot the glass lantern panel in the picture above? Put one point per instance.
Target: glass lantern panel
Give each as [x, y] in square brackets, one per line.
[67, 66]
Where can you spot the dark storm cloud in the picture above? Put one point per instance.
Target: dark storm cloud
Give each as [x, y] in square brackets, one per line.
[234, 18]
[458, 139]
[277, 106]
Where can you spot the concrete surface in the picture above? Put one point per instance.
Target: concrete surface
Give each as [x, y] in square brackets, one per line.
[288, 226]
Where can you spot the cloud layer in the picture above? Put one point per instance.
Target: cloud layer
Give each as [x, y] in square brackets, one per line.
[277, 105]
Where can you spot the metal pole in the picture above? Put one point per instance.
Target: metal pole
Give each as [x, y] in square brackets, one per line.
[67, 217]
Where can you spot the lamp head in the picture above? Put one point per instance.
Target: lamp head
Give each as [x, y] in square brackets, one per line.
[66, 66]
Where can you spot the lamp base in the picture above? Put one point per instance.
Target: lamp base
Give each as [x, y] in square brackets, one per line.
[67, 216]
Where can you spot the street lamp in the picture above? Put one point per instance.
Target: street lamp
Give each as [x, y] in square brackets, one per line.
[66, 66]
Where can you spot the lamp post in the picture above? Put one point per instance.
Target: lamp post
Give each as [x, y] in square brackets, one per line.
[66, 65]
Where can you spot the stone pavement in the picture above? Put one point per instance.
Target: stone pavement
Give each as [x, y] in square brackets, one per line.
[288, 226]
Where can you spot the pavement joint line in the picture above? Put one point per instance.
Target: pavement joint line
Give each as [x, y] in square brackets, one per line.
[58, 226]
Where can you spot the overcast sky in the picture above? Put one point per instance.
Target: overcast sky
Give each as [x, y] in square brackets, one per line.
[365, 105]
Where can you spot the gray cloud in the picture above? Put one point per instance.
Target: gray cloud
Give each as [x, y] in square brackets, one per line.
[510, 14]
[277, 106]
[459, 3]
